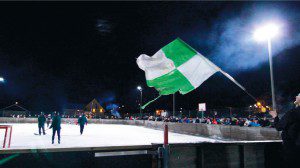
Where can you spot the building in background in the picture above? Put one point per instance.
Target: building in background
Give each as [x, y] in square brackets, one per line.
[92, 109]
[14, 110]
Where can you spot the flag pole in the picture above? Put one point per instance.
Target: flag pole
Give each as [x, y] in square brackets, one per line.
[174, 104]
[228, 76]
[239, 85]
[220, 70]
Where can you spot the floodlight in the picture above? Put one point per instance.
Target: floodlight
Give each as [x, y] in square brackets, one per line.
[266, 32]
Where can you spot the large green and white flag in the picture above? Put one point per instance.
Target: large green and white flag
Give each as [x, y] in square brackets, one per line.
[176, 67]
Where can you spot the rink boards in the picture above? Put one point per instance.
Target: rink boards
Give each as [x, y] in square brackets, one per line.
[205, 130]
[192, 152]
[229, 154]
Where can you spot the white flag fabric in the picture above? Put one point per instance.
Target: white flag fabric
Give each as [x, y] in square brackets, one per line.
[176, 67]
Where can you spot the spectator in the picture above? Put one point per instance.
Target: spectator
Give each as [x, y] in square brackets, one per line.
[173, 119]
[208, 121]
[214, 121]
[226, 121]
[180, 120]
[203, 120]
[247, 122]
[289, 124]
[254, 123]
[264, 122]
[241, 122]
[197, 120]
[233, 121]
[218, 121]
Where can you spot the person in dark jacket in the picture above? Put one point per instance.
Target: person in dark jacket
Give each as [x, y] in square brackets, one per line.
[241, 122]
[197, 120]
[289, 124]
[41, 123]
[55, 125]
[264, 122]
[81, 121]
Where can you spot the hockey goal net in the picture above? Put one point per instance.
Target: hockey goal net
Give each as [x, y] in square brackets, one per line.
[6, 131]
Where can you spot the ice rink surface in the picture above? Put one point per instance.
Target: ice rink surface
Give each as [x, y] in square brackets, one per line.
[94, 135]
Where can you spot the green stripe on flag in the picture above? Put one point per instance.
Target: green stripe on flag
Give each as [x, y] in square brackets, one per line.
[179, 52]
[170, 83]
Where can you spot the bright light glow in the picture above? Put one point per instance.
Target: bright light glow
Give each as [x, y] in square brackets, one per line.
[139, 88]
[266, 32]
[258, 104]
[2, 79]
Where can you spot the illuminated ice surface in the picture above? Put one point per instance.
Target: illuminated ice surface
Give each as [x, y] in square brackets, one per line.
[95, 135]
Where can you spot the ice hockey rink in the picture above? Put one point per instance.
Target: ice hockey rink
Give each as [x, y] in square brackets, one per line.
[94, 135]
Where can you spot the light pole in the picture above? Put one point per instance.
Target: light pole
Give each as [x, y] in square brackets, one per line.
[266, 33]
[173, 104]
[141, 101]
[230, 112]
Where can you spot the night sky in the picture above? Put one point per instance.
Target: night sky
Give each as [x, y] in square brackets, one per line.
[54, 55]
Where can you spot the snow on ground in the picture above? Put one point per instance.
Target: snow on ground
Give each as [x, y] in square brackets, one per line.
[94, 135]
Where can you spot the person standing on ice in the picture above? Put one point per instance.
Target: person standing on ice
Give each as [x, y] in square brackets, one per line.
[81, 121]
[41, 123]
[55, 125]
[289, 124]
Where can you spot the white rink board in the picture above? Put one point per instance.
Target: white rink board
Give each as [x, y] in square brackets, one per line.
[94, 135]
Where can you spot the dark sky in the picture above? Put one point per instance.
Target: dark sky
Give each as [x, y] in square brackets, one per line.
[56, 54]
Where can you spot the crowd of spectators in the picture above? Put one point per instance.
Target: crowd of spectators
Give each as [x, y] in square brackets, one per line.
[250, 121]
[62, 116]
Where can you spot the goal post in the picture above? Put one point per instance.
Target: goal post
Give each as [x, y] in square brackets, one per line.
[7, 135]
